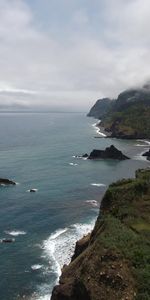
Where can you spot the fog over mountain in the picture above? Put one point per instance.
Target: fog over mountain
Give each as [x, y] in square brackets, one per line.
[66, 54]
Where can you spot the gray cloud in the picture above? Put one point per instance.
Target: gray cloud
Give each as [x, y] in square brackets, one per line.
[101, 51]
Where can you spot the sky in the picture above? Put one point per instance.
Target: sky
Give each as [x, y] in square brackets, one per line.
[66, 54]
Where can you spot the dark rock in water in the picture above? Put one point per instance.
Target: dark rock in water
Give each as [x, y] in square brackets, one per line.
[6, 182]
[7, 240]
[109, 153]
[33, 191]
[147, 154]
[85, 155]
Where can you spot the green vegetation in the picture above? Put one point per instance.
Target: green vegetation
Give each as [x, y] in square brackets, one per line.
[115, 263]
[128, 116]
[131, 122]
[126, 215]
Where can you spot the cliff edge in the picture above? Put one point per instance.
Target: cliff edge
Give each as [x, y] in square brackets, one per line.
[113, 262]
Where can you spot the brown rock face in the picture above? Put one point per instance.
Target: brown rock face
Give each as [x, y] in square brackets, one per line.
[75, 291]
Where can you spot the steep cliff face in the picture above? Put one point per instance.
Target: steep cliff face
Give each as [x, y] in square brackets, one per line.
[113, 262]
[128, 116]
[100, 108]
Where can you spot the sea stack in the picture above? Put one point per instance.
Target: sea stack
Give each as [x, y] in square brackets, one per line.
[109, 153]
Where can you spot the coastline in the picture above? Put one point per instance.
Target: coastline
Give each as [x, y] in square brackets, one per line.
[80, 243]
[105, 262]
[38, 257]
[100, 130]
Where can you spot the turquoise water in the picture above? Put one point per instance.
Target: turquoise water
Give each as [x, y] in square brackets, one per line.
[36, 150]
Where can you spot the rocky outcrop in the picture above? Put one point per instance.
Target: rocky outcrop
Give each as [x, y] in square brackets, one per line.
[147, 154]
[4, 181]
[112, 263]
[109, 153]
[81, 245]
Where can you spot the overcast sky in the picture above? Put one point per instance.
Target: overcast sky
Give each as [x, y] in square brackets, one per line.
[68, 53]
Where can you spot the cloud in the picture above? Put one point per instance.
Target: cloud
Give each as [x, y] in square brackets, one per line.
[68, 54]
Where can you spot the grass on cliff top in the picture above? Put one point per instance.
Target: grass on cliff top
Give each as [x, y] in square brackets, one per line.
[126, 222]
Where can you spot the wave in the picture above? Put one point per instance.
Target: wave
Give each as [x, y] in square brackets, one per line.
[36, 267]
[140, 145]
[97, 128]
[72, 164]
[15, 232]
[79, 157]
[59, 247]
[57, 250]
[144, 141]
[140, 155]
[98, 184]
[92, 202]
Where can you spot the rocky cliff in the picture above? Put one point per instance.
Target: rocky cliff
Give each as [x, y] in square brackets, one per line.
[113, 262]
[100, 108]
[128, 116]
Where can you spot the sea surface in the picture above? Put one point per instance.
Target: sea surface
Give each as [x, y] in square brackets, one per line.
[37, 151]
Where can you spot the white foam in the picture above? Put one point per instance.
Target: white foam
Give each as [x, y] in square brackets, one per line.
[98, 184]
[72, 164]
[97, 128]
[140, 145]
[79, 157]
[140, 155]
[58, 250]
[15, 232]
[45, 297]
[36, 267]
[60, 245]
[92, 202]
[144, 141]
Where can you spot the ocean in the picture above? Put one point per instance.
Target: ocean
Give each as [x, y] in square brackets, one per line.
[37, 150]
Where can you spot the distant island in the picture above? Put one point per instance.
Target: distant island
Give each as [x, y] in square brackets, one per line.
[127, 117]
[113, 261]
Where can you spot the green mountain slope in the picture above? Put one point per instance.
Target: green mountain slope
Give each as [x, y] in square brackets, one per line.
[128, 116]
